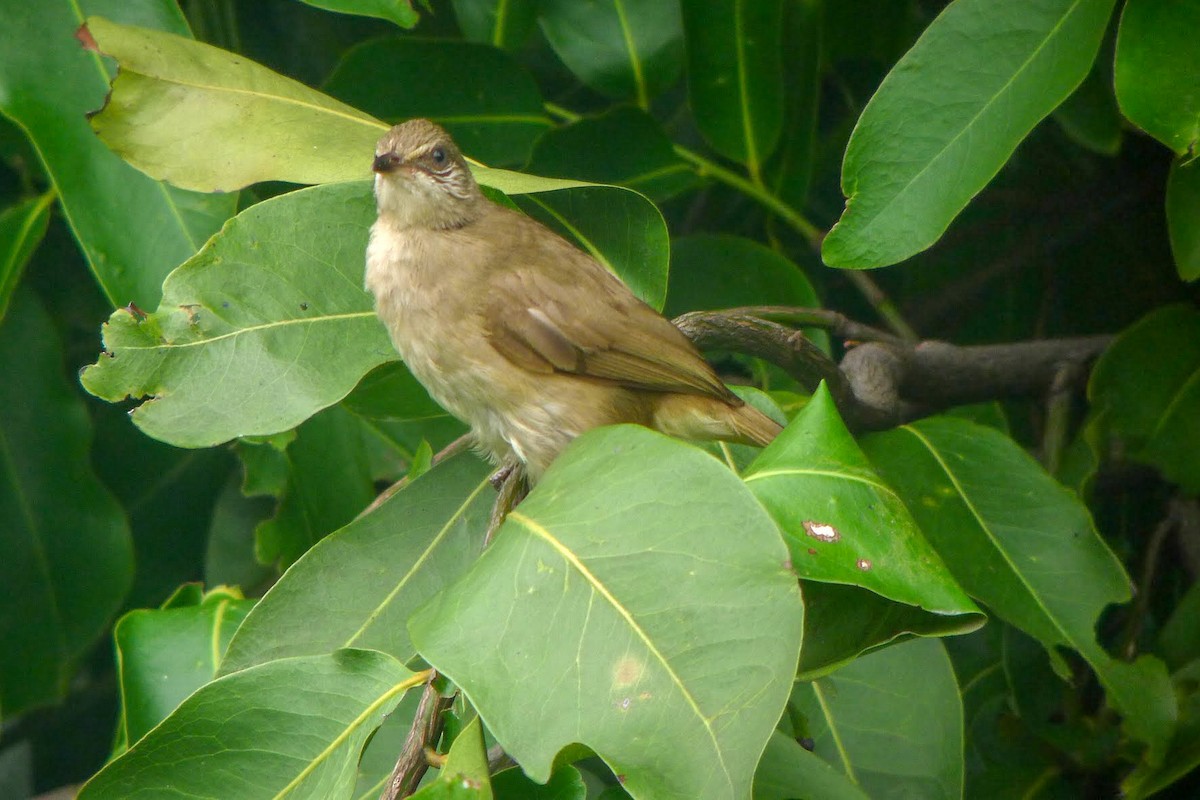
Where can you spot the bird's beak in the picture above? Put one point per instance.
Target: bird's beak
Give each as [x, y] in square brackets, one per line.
[385, 163]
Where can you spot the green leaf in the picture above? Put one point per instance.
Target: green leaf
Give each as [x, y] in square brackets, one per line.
[328, 484]
[842, 523]
[1025, 546]
[165, 654]
[265, 326]
[619, 228]
[1090, 116]
[170, 90]
[400, 12]
[65, 557]
[47, 84]
[949, 115]
[505, 24]
[464, 776]
[719, 270]
[627, 50]
[735, 77]
[789, 771]
[793, 172]
[643, 597]
[565, 784]
[1179, 640]
[358, 586]
[22, 227]
[1183, 218]
[229, 555]
[1184, 756]
[892, 721]
[1158, 68]
[624, 145]
[482, 96]
[391, 392]
[293, 727]
[1147, 385]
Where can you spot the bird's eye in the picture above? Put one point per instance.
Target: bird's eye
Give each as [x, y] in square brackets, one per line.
[438, 155]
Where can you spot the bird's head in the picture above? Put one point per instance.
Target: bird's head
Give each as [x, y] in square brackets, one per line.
[422, 179]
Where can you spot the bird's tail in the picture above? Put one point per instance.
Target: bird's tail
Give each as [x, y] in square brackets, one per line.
[690, 416]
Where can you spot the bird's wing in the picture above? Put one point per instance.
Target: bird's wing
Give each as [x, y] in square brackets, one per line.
[577, 318]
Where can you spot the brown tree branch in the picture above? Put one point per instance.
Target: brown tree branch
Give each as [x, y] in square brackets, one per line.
[426, 729]
[887, 381]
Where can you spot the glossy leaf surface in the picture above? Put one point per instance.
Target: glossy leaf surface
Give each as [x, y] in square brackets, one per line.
[645, 558]
[400, 12]
[623, 48]
[1158, 69]
[947, 118]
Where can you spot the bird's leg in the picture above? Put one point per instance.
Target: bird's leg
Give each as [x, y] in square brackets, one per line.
[512, 489]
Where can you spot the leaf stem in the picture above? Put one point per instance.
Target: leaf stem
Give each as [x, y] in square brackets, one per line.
[833, 733]
[883, 305]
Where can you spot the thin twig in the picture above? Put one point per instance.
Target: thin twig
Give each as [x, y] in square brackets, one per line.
[455, 447]
[426, 728]
[883, 305]
[512, 490]
[1058, 414]
[1141, 604]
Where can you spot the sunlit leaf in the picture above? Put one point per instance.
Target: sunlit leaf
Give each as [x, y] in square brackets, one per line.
[400, 12]
[133, 230]
[644, 559]
[947, 118]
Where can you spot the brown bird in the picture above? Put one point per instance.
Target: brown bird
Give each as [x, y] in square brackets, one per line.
[515, 331]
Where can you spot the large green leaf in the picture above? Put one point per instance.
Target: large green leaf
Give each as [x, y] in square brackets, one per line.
[266, 325]
[735, 76]
[1025, 546]
[624, 145]
[638, 602]
[949, 115]
[623, 48]
[482, 96]
[501, 23]
[789, 771]
[400, 12]
[892, 722]
[165, 654]
[1158, 69]
[842, 523]
[22, 227]
[358, 587]
[1184, 756]
[65, 555]
[1147, 385]
[1183, 218]
[291, 728]
[206, 119]
[133, 230]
